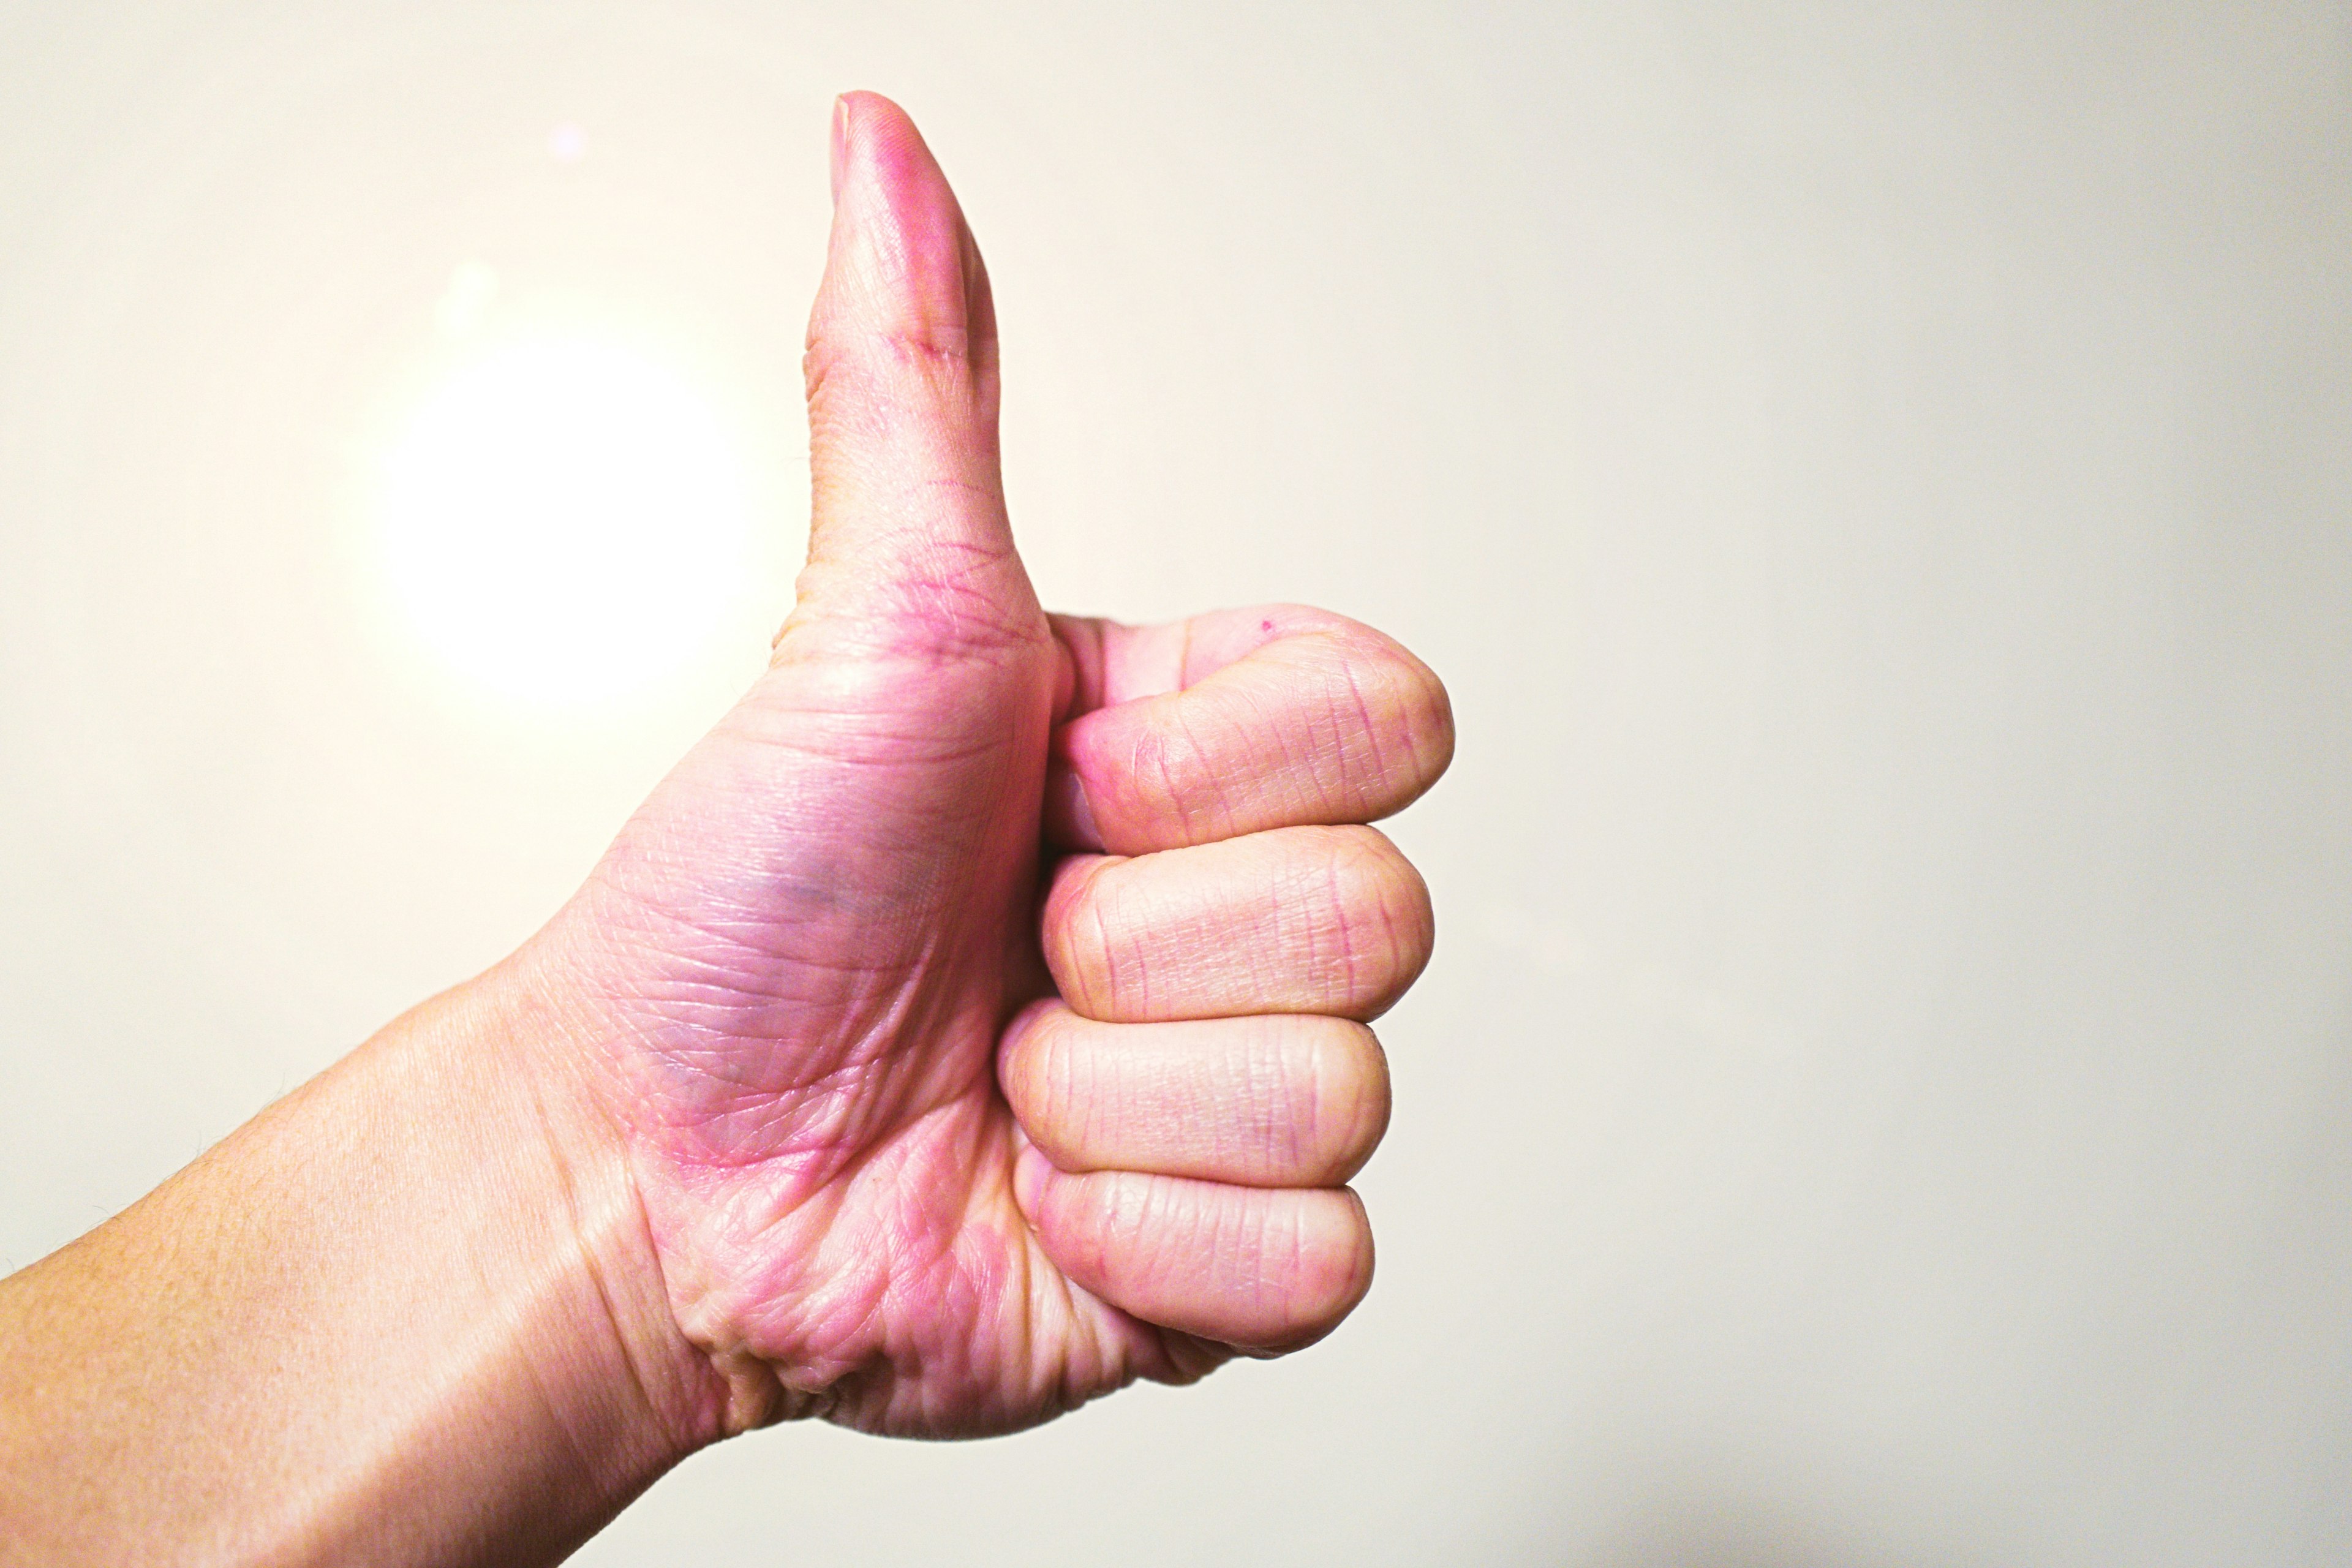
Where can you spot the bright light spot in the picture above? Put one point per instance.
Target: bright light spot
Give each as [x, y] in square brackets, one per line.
[562, 519]
[567, 144]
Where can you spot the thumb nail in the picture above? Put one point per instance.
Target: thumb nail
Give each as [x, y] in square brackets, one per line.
[840, 156]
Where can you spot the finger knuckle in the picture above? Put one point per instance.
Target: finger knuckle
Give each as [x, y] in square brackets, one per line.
[1080, 935]
[1344, 1104]
[1171, 768]
[1403, 715]
[1324, 1260]
[1381, 906]
[1043, 1077]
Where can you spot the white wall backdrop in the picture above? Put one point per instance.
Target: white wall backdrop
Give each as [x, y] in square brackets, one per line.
[1877, 478]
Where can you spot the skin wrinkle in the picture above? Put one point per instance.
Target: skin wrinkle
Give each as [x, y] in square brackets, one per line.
[1045, 1058]
[1310, 1115]
[854, 1056]
[1320, 902]
[781, 951]
[887, 659]
[1284, 1282]
[900, 1241]
[1367, 725]
[1140, 979]
[1386, 962]
[802, 899]
[658, 1027]
[948, 609]
[1082, 1106]
[1154, 1224]
[1084, 986]
[881, 750]
[1170, 756]
[1338, 930]
[727, 974]
[939, 351]
[1308, 795]
[1217, 815]
[1397, 976]
[896, 627]
[1053, 1071]
[581, 1446]
[760, 1127]
[1330, 738]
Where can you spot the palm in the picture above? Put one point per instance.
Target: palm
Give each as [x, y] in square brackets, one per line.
[876, 1196]
[813, 1030]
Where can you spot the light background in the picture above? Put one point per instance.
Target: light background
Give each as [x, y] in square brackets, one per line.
[1874, 477]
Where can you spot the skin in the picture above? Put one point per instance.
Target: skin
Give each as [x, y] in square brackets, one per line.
[973, 1022]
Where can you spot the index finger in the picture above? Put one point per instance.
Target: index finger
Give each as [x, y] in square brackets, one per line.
[1236, 722]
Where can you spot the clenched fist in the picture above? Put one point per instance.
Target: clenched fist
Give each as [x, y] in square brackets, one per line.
[982, 1004]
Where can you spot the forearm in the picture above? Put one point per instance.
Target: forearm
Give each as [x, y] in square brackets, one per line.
[408, 1315]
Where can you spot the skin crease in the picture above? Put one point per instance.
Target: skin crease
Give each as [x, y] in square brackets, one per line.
[974, 1022]
[798, 1036]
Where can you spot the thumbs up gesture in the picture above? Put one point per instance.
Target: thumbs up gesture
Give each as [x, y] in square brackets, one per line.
[981, 1008]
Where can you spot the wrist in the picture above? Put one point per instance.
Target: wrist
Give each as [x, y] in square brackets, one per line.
[421, 1284]
[584, 1288]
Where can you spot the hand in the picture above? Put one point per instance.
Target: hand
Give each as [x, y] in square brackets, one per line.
[973, 1023]
[918, 1151]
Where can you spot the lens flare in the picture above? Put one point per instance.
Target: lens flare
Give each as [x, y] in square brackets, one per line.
[562, 519]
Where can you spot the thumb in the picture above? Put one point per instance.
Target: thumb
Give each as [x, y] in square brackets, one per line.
[908, 501]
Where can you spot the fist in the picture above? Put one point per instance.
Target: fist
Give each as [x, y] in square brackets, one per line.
[982, 1008]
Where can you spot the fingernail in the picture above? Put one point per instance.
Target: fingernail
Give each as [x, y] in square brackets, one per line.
[1029, 1169]
[1069, 820]
[840, 156]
